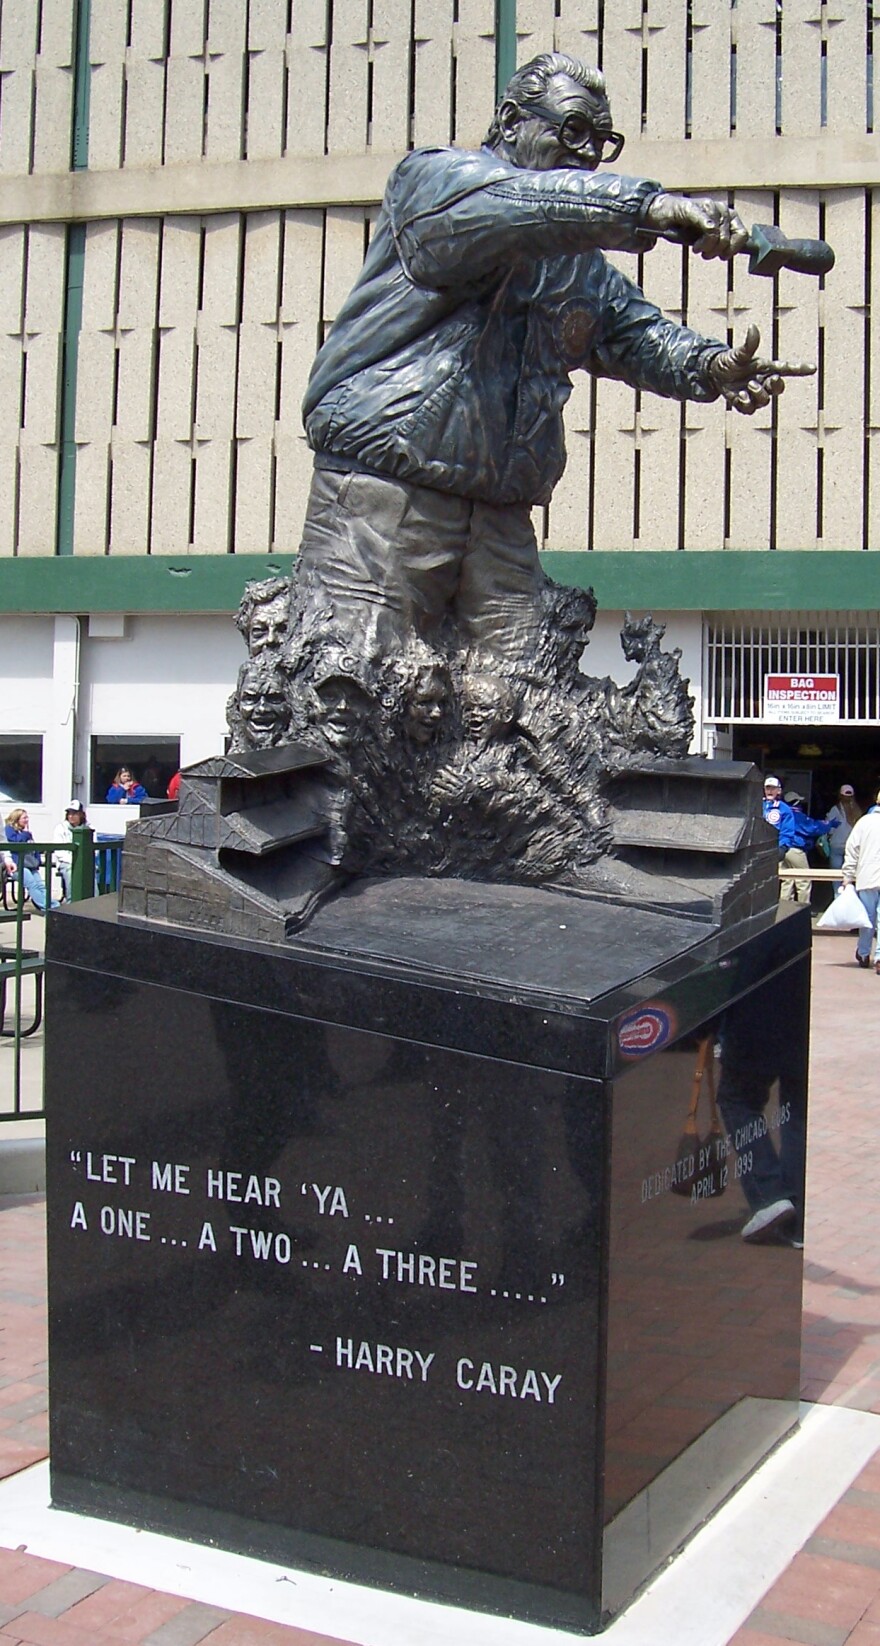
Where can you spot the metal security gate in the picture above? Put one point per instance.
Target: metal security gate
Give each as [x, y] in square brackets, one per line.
[738, 653]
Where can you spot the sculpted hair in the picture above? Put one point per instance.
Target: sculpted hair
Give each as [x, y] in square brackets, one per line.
[529, 84]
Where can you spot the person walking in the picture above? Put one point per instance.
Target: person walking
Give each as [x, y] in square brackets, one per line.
[805, 832]
[861, 868]
[845, 812]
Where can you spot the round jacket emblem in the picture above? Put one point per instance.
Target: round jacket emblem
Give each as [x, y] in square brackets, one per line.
[573, 327]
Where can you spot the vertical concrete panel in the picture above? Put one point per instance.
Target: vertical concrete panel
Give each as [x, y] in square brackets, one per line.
[258, 353]
[130, 497]
[750, 439]
[569, 508]
[177, 364]
[344, 255]
[660, 420]
[179, 275]
[267, 25]
[622, 63]
[755, 26]
[225, 106]
[148, 29]
[44, 303]
[135, 399]
[801, 68]
[144, 108]
[91, 496]
[577, 29]
[293, 472]
[843, 392]
[18, 34]
[95, 379]
[432, 72]
[391, 48]
[710, 68]
[12, 276]
[170, 502]
[846, 83]
[188, 28]
[474, 46]
[349, 60]
[535, 28]
[56, 32]
[220, 293]
[615, 466]
[253, 500]
[105, 115]
[215, 389]
[705, 424]
[798, 418]
[212, 518]
[10, 415]
[300, 314]
[267, 70]
[307, 78]
[262, 247]
[665, 30]
[38, 478]
[185, 108]
[53, 117]
[16, 109]
[139, 271]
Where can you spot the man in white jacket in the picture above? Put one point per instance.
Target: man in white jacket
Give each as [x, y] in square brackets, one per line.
[861, 868]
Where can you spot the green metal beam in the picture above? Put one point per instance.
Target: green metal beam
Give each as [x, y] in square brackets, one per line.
[505, 43]
[735, 580]
[73, 286]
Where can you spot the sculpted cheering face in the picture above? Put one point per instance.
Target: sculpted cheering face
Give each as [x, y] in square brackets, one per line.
[570, 127]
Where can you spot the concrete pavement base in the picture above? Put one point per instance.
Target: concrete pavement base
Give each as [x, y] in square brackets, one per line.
[701, 1599]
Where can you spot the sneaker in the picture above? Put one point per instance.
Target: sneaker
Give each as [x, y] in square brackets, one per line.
[768, 1220]
[863, 960]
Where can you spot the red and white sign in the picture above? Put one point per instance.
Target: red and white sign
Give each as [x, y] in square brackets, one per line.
[802, 699]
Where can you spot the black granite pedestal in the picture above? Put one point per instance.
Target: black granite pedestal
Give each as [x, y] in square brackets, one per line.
[378, 1254]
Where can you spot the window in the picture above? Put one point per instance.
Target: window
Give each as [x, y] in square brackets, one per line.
[152, 761]
[21, 769]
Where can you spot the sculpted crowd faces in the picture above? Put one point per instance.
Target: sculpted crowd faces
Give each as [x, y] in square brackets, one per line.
[263, 706]
[268, 627]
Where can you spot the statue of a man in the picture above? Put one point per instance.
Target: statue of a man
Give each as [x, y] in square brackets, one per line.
[435, 406]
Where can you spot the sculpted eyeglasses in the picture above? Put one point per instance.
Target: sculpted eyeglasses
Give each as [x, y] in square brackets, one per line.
[577, 133]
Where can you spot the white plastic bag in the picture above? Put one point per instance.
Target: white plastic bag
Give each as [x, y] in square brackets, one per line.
[845, 913]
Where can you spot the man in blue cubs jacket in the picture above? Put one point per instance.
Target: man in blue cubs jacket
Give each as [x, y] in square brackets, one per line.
[434, 407]
[797, 833]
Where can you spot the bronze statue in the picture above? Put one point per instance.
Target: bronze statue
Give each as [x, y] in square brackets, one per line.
[420, 653]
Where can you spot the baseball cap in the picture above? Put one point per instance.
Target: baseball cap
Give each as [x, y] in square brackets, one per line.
[772, 782]
[794, 799]
[847, 788]
[74, 806]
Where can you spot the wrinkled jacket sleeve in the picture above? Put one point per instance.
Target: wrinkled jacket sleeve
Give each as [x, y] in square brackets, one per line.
[465, 218]
[638, 345]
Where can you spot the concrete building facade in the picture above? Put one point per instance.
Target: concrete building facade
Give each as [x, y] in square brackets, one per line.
[187, 188]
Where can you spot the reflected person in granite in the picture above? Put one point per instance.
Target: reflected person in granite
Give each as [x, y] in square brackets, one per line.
[762, 1089]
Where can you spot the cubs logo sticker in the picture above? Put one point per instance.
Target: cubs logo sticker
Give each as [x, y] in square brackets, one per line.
[645, 1029]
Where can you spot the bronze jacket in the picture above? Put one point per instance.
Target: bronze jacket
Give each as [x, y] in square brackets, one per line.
[484, 287]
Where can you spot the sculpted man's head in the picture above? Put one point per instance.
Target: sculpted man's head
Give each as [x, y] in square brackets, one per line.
[263, 614]
[555, 114]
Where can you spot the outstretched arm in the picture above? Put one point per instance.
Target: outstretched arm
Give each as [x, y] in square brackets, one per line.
[639, 345]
